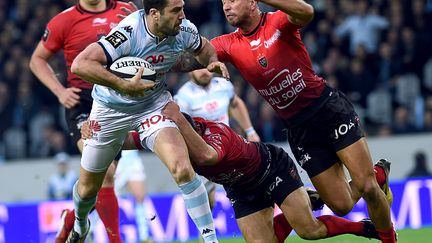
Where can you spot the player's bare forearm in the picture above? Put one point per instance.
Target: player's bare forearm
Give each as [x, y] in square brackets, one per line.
[186, 63]
[89, 66]
[39, 65]
[207, 54]
[199, 151]
[239, 112]
[299, 12]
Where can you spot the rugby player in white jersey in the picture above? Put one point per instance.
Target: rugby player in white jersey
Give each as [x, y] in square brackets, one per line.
[159, 33]
[214, 98]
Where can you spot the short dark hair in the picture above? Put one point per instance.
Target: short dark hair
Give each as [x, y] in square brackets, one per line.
[157, 4]
[190, 120]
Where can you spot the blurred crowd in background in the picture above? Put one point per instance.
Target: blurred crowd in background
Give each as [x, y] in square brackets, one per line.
[378, 52]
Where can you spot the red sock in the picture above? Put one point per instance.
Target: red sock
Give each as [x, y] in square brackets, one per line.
[339, 226]
[108, 210]
[380, 175]
[387, 236]
[69, 220]
[281, 227]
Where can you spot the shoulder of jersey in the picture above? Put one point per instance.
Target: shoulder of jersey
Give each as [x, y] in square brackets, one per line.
[186, 87]
[132, 19]
[187, 26]
[222, 82]
[67, 13]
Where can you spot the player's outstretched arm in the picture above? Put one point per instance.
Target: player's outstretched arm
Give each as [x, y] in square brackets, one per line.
[199, 151]
[299, 12]
[207, 56]
[240, 113]
[186, 62]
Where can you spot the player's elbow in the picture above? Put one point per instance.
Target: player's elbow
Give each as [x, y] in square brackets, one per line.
[33, 63]
[206, 158]
[308, 13]
[202, 159]
[77, 66]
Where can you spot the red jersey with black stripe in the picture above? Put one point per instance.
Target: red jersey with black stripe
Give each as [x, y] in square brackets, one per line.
[239, 159]
[75, 28]
[274, 60]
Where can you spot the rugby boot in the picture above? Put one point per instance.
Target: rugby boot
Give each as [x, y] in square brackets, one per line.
[385, 165]
[369, 229]
[74, 237]
[316, 202]
[65, 226]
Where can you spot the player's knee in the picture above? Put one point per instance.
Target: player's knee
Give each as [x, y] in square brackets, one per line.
[182, 171]
[364, 183]
[370, 190]
[341, 207]
[87, 190]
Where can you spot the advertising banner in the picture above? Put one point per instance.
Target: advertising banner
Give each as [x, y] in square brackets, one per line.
[168, 219]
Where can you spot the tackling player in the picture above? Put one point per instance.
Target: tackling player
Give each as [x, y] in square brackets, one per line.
[71, 31]
[213, 98]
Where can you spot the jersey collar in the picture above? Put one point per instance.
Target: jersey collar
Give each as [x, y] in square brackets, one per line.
[109, 5]
[156, 38]
[261, 23]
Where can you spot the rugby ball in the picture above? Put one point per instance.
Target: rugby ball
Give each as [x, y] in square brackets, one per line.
[127, 67]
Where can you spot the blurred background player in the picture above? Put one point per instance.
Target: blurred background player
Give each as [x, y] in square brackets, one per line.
[420, 166]
[130, 174]
[61, 182]
[71, 31]
[213, 98]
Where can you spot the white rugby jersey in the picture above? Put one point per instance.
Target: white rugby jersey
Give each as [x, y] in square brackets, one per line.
[210, 102]
[131, 37]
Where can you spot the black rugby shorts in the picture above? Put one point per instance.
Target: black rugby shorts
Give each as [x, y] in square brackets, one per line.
[281, 179]
[333, 127]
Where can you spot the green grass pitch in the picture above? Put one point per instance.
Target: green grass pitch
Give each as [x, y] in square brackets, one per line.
[423, 235]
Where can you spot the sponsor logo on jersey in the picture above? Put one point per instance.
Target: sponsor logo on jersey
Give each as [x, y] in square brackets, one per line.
[284, 88]
[99, 21]
[128, 29]
[188, 29]
[262, 60]
[272, 39]
[116, 39]
[255, 43]
[155, 59]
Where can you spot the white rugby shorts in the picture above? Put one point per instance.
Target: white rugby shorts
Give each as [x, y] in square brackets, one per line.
[111, 126]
